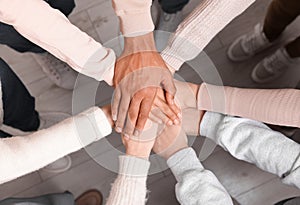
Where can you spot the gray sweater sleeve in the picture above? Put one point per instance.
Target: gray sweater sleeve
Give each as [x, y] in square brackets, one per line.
[255, 143]
[195, 185]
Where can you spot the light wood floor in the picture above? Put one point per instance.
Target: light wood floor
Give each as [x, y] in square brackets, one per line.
[248, 184]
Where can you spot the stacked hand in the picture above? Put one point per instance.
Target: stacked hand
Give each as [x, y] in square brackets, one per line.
[140, 73]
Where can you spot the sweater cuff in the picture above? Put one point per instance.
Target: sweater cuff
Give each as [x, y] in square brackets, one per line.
[133, 166]
[210, 124]
[170, 58]
[182, 161]
[92, 125]
[135, 16]
[101, 65]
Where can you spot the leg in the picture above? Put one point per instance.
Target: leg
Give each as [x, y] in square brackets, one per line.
[18, 104]
[50, 199]
[173, 6]
[280, 14]
[21, 44]
[293, 48]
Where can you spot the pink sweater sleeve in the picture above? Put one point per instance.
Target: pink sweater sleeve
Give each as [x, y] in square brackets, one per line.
[135, 16]
[273, 106]
[51, 30]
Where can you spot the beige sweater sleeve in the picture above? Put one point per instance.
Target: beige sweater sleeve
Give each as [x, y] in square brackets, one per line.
[51, 30]
[22, 155]
[273, 106]
[199, 28]
[135, 16]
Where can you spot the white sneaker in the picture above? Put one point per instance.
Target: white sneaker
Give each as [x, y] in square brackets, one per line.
[59, 166]
[169, 22]
[57, 71]
[48, 119]
[248, 45]
[273, 66]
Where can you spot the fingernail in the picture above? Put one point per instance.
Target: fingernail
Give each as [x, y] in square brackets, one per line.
[136, 133]
[179, 115]
[126, 136]
[114, 117]
[118, 129]
[176, 122]
[169, 123]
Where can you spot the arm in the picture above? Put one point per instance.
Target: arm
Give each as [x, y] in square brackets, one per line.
[24, 154]
[140, 71]
[274, 106]
[196, 185]
[51, 30]
[255, 143]
[199, 28]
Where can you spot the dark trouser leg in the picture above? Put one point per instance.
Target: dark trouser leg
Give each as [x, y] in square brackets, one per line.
[280, 14]
[50, 199]
[18, 104]
[10, 37]
[293, 48]
[172, 6]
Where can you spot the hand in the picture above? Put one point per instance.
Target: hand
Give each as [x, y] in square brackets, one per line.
[186, 97]
[171, 140]
[141, 146]
[139, 73]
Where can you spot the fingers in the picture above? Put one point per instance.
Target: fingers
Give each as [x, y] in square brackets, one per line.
[167, 111]
[132, 116]
[115, 104]
[169, 86]
[122, 113]
[143, 115]
[158, 116]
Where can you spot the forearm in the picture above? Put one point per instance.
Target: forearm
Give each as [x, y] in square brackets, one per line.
[51, 30]
[195, 185]
[135, 16]
[24, 154]
[199, 28]
[130, 185]
[254, 142]
[273, 106]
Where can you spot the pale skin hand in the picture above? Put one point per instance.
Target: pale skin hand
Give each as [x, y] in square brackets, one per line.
[139, 73]
[186, 97]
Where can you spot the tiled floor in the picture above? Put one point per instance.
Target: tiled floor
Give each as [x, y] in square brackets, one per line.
[248, 184]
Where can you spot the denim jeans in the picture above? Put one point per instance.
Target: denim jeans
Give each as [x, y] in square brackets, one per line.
[10, 37]
[172, 6]
[50, 199]
[18, 105]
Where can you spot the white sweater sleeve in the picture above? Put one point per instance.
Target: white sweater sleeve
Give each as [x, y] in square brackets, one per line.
[130, 186]
[196, 185]
[255, 143]
[21, 155]
[51, 30]
[199, 28]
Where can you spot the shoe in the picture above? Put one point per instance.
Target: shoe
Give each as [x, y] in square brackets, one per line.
[248, 45]
[291, 201]
[48, 119]
[59, 166]
[273, 66]
[57, 71]
[169, 22]
[91, 197]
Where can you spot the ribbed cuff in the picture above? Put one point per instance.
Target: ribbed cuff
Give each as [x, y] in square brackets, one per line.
[135, 16]
[172, 59]
[210, 124]
[133, 166]
[100, 65]
[183, 160]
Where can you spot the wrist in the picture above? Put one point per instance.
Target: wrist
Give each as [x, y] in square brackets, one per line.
[168, 153]
[191, 102]
[138, 151]
[139, 43]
